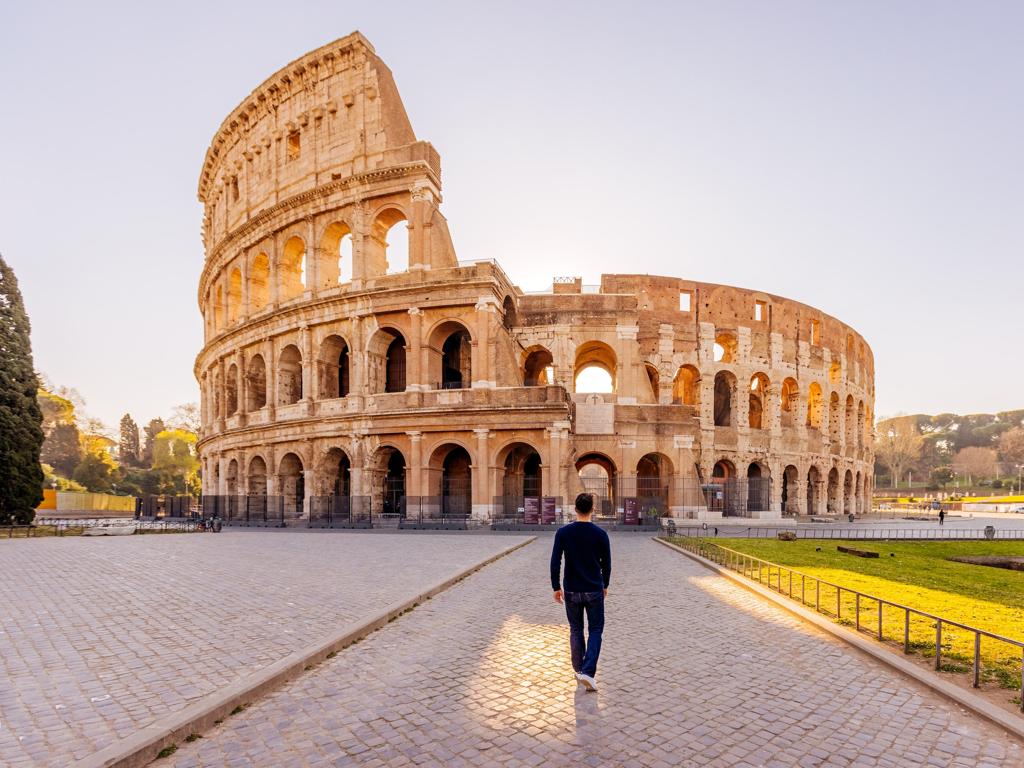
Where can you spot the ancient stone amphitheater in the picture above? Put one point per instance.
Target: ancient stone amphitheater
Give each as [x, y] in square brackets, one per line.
[346, 379]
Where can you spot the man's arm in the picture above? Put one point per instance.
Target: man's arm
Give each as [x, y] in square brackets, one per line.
[606, 562]
[556, 563]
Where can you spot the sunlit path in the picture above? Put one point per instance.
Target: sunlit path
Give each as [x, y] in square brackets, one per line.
[695, 671]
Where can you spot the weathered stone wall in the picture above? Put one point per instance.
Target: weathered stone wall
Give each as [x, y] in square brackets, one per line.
[323, 360]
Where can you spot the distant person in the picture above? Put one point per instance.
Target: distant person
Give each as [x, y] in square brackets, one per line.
[588, 569]
[942, 516]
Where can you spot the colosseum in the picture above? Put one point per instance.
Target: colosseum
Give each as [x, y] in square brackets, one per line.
[356, 372]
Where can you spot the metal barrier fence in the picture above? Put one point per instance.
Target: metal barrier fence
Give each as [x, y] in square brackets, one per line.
[340, 512]
[258, 511]
[860, 534]
[818, 593]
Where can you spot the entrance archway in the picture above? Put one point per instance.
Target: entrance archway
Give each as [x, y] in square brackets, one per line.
[597, 476]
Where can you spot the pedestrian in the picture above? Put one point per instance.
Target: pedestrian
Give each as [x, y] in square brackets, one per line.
[588, 568]
[942, 515]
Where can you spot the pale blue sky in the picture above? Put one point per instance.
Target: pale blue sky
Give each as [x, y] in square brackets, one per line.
[866, 158]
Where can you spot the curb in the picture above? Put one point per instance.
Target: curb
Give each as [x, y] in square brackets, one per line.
[976, 704]
[143, 746]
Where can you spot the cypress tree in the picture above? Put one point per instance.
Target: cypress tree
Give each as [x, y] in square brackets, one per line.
[21, 431]
[129, 445]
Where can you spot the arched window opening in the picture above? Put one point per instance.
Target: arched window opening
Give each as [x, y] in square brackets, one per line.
[538, 370]
[725, 387]
[813, 491]
[815, 405]
[725, 348]
[848, 493]
[218, 308]
[860, 425]
[758, 489]
[834, 422]
[336, 481]
[653, 472]
[334, 368]
[456, 359]
[508, 313]
[256, 383]
[386, 356]
[457, 484]
[790, 499]
[336, 255]
[595, 368]
[654, 379]
[256, 480]
[292, 485]
[231, 385]
[686, 387]
[388, 248]
[851, 430]
[292, 270]
[259, 282]
[789, 399]
[234, 296]
[289, 376]
[758, 400]
[833, 502]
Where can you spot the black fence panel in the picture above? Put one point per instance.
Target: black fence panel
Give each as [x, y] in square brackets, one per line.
[340, 512]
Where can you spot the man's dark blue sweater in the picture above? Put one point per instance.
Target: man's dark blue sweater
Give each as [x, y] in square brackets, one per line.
[588, 558]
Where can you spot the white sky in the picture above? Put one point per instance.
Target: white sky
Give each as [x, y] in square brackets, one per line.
[865, 158]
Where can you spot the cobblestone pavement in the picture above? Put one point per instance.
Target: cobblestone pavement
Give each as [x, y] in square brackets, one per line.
[695, 671]
[101, 636]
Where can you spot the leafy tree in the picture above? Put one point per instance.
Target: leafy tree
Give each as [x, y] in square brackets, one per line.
[940, 476]
[975, 462]
[62, 449]
[151, 430]
[185, 417]
[898, 444]
[128, 448]
[95, 472]
[53, 480]
[174, 453]
[21, 432]
[1011, 447]
[56, 410]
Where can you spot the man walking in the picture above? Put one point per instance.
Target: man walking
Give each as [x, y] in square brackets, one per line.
[588, 568]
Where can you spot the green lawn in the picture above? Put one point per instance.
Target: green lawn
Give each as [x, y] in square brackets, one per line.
[916, 574]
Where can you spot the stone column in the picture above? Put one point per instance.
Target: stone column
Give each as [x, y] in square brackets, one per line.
[242, 385]
[309, 477]
[626, 376]
[481, 468]
[801, 497]
[415, 375]
[313, 256]
[414, 471]
[308, 366]
[268, 357]
[481, 358]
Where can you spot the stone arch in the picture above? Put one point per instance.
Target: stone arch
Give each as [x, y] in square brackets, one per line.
[814, 482]
[726, 347]
[595, 355]
[686, 386]
[292, 484]
[231, 390]
[815, 405]
[521, 465]
[387, 249]
[334, 367]
[256, 476]
[386, 358]
[759, 479]
[289, 375]
[388, 470]
[336, 258]
[725, 399]
[789, 402]
[848, 494]
[259, 282]
[538, 367]
[654, 379]
[450, 470]
[759, 387]
[654, 472]
[256, 383]
[334, 471]
[234, 298]
[834, 501]
[509, 314]
[598, 476]
[851, 415]
[291, 269]
[231, 478]
[450, 355]
[790, 486]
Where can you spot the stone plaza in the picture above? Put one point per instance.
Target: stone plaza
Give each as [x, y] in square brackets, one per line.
[107, 636]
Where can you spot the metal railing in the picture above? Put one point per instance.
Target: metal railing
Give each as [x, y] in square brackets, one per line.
[762, 571]
[859, 534]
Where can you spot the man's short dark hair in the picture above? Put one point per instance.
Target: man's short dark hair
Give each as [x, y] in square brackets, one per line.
[585, 503]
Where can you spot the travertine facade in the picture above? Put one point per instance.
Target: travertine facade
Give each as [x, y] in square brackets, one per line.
[328, 370]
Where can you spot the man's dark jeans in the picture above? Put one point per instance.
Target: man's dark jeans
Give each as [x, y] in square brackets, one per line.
[584, 654]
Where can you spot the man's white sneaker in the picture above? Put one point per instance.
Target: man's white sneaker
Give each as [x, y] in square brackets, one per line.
[588, 682]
